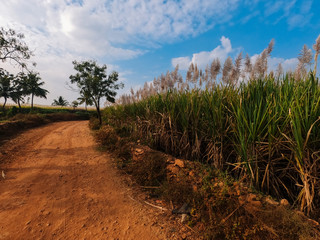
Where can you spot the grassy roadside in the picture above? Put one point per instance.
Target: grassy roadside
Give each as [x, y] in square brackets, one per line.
[219, 207]
[264, 130]
[14, 121]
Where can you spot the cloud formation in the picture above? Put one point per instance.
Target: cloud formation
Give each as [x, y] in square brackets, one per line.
[98, 28]
[222, 51]
[107, 30]
[60, 31]
[203, 58]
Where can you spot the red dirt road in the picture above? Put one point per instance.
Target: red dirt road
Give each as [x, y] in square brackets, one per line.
[58, 186]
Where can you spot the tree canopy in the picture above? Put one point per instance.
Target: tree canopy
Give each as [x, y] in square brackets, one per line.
[33, 87]
[13, 48]
[94, 83]
[60, 102]
[5, 85]
[16, 87]
[19, 88]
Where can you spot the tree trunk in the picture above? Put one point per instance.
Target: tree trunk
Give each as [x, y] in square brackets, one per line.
[19, 104]
[4, 104]
[99, 115]
[97, 104]
[31, 101]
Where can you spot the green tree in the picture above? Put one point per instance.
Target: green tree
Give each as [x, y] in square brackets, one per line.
[13, 48]
[60, 102]
[85, 98]
[93, 82]
[75, 104]
[19, 88]
[33, 87]
[5, 85]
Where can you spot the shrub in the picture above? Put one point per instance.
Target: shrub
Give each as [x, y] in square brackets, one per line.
[94, 123]
[12, 111]
[123, 153]
[149, 170]
[107, 137]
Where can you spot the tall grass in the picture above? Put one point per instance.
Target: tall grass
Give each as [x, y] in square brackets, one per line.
[266, 131]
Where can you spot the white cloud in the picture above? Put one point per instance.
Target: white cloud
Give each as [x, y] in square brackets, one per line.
[249, 17]
[183, 62]
[203, 58]
[97, 26]
[297, 14]
[287, 64]
[271, 7]
[63, 30]
[306, 6]
[299, 20]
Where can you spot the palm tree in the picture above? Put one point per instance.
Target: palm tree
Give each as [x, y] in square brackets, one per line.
[34, 87]
[5, 85]
[19, 88]
[60, 102]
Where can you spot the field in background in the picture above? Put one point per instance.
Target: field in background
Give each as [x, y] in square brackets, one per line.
[13, 120]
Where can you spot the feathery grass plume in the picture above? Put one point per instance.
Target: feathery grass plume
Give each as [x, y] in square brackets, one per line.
[270, 47]
[212, 72]
[196, 74]
[226, 71]
[247, 65]
[266, 55]
[215, 69]
[261, 65]
[257, 70]
[169, 81]
[156, 82]
[200, 81]
[271, 74]
[201, 77]
[190, 71]
[305, 58]
[184, 86]
[236, 71]
[175, 72]
[279, 71]
[145, 90]
[206, 73]
[138, 94]
[316, 47]
[176, 76]
[163, 84]
[130, 98]
[299, 72]
[207, 77]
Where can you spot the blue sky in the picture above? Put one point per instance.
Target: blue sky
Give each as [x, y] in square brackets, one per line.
[142, 39]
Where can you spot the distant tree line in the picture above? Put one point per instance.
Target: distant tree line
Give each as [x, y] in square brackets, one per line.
[26, 83]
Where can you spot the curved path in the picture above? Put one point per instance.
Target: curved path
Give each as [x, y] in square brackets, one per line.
[58, 186]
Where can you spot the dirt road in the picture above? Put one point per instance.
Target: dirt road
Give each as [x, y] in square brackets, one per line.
[58, 186]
